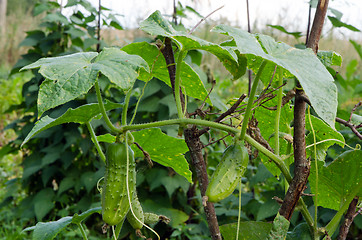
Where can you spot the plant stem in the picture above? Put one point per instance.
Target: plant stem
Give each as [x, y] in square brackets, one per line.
[250, 101]
[82, 231]
[316, 178]
[103, 110]
[125, 107]
[279, 108]
[180, 58]
[239, 212]
[95, 141]
[178, 121]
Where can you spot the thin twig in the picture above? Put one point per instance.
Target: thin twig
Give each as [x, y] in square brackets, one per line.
[351, 126]
[145, 154]
[212, 88]
[218, 140]
[203, 19]
[354, 109]
[227, 113]
[308, 26]
[99, 26]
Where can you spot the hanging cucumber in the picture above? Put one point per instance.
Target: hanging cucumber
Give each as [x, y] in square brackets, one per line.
[228, 172]
[115, 204]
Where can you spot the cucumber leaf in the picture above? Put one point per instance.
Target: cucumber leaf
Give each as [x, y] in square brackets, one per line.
[165, 150]
[49, 230]
[316, 81]
[68, 77]
[80, 115]
[338, 180]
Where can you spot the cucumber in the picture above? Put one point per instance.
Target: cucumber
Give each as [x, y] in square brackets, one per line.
[228, 172]
[151, 218]
[115, 203]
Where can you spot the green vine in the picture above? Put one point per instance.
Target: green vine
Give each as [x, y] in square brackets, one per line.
[250, 101]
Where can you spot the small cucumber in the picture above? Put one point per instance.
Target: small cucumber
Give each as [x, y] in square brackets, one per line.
[151, 218]
[228, 172]
[138, 211]
[115, 203]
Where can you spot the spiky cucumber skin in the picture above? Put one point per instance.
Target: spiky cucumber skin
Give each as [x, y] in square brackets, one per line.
[138, 211]
[115, 205]
[228, 172]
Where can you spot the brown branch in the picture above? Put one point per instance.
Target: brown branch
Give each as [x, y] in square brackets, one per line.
[317, 26]
[301, 163]
[351, 125]
[195, 146]
[167, 52]
[348, 219]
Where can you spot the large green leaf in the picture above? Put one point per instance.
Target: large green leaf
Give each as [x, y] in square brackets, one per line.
[151, 54]
[324, 134]
[81, 115]
[68, 77]
[165, 150]
[338, 180]
[155, 24]
[303, 64]
[49, 230]
[248, 230]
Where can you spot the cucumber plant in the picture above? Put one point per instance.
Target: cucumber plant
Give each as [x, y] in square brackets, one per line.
[168, 61]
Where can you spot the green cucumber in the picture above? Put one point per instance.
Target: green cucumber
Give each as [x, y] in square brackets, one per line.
[228, 172]
[138, 211]
[151, 218]
[115, 204]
